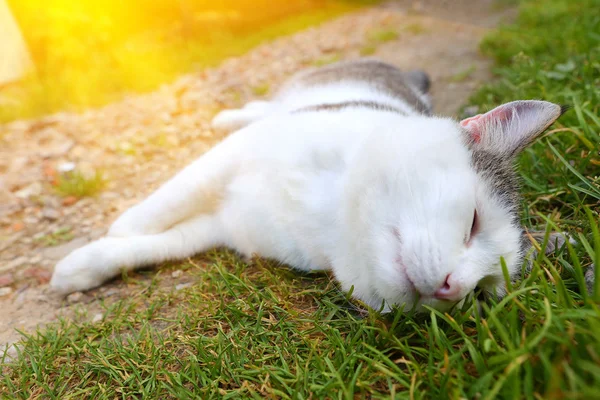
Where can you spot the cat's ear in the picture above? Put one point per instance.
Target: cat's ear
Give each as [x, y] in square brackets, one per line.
[508, 129]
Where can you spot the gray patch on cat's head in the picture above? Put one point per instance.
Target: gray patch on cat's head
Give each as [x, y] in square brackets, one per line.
[502, 179]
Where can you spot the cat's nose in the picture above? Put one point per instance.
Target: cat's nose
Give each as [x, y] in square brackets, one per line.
[450, 290]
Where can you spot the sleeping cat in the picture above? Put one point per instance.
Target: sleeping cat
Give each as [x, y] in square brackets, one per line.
[344, 169]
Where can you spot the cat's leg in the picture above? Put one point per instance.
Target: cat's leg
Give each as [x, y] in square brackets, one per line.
[95, 263]
[197, 189]
[556, 241]
[230, 120]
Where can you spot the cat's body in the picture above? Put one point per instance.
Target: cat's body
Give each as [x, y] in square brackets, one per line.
[345, 169]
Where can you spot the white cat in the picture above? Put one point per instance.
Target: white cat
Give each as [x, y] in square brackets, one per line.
[345, 169]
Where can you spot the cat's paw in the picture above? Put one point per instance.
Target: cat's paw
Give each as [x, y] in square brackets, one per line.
[83, 269]
[556, 241]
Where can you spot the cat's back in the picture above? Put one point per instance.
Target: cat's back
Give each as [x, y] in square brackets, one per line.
[364, 82]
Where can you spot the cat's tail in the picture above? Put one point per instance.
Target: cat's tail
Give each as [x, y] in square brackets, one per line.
[231, 120]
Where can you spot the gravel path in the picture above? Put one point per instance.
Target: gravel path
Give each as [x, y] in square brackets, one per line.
[143, 140]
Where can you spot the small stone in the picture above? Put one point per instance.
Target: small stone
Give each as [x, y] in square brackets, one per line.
[16, 263]
[66, 167]
[35, 259]
[110, 292]
[17, 226]
[97, 318]
[31, 220]
[6, 280]
[183, 285]
[177, 274]
[34, 189]
[10, 352]
[39, 235]
[50, 214]
[74, 297]
[69, 200]
[5, 291]
[41, 275]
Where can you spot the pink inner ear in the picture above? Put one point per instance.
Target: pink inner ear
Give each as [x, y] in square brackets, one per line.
[474, 124]
[473, 127]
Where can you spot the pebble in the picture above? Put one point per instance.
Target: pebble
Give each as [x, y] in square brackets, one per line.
[10, 352]
[35, 259]
[97, 318]
[177, 273]
[66, 167]
[6, 280]
[17, 262]
[34, 189]
[69, 200]
[31, 220]
[50, 214]
[75, 297]
[5, 291]
[183, 285]
[41, 275]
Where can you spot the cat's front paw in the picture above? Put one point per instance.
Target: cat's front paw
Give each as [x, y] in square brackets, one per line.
[557, 240]
[83, 269]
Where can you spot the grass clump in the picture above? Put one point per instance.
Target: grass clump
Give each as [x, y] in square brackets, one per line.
[368, 50]
[258, 330]
[261, 90]
[77, 184]
[415, 28]
[56, 237]
[463, 75]
[382, 35]
[325, 60]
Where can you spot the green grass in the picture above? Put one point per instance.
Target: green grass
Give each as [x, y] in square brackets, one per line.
[463, 75]
[78, 184]
[325, 60]
[256, 330]
[368, 50]
[415, 28]
[58, 236]
[261, 90]
[382, 35]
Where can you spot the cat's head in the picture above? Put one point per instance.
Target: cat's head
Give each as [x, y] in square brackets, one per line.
[432, 206]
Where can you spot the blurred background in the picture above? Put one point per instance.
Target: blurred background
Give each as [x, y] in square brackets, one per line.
[69, 55]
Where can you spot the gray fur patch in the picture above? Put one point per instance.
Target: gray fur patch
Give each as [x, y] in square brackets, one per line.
[348, 104]
[499, 172]
[410, 87]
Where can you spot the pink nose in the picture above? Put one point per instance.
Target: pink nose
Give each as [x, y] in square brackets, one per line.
[448, 291]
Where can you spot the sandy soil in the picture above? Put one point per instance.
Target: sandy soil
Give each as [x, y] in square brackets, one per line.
[143, 140]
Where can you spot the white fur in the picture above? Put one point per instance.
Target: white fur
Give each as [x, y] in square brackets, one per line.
[380, 198]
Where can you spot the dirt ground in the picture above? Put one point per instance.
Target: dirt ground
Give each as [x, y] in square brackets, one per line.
[144, 139]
